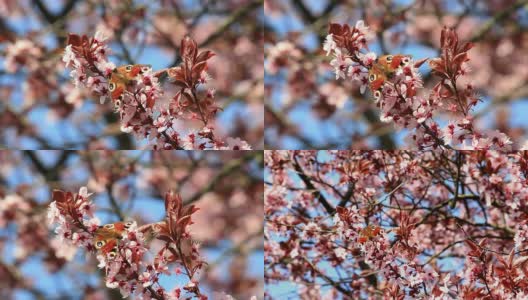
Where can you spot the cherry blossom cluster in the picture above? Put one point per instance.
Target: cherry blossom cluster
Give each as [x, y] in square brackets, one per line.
[32, 235]
[126, 269]
[402, 98]
[147, 107]
[280, 55]
[89, 63]
[22, 52]
[345, 44]
[122, 269]
[395, 224]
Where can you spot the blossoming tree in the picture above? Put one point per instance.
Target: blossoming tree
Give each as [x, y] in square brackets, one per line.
[435, 224]
[68, 67]
[453, 83]
[139, 227]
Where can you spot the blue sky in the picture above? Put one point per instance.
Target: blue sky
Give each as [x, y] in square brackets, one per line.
[322, 132]
[144, 206]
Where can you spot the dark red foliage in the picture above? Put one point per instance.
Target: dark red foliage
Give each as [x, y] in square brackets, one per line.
[188, 76]
[69, 206]
[344, 214]
[178, 218]
[346, 36]
[449, 65]
[82, 46]
[65, 201]
[194, 63]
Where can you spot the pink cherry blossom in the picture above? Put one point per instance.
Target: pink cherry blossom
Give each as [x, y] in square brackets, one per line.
[398, 98]
[136, 104]
[126, 269]
[401, 224]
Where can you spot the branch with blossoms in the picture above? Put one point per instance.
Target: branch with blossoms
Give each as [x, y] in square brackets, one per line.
[126, 268]
[376, 224]
[154, 104]
[402, 98]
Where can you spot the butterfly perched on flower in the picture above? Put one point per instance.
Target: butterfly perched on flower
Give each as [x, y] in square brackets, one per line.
[383, 69]
[121, 78]
[369, 232]
[106, 238]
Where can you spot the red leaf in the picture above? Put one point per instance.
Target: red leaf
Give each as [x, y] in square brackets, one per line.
[188, 49]
[510, 258]
[419, 63]
[204, 56]
[460, 58]
[443, 37]
[475, 250]
[335, 29]
[74, 40]
[150, 102]
[467, 47]
[58, 196]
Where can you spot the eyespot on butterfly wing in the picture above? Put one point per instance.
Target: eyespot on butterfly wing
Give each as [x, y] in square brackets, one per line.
[390, 63]
[376, 78]
[106, 237]
[117, 87]
[129, 72]
[122, 77]
[109, 246]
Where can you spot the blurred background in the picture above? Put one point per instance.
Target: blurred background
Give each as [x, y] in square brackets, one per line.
[307, 108]
[227, 187]
[40, 108]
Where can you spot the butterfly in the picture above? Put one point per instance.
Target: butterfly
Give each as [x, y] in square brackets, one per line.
[383, 69]
[106, 238]
[121, 78]
[368, 233]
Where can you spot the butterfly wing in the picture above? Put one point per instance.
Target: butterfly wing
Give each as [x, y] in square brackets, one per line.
[129, 72]
[384, 68]
[117, 87]
[110, 249]
[369, 232]
[377, 78]
[122, 78]
[391, 63]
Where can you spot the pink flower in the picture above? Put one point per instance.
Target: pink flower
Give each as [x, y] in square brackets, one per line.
[92, 224]
[368, 59]
[204, 77]
[364, 30]
[237, 144]
[125, 288]
[100, 36]
[445, 288]
[63, 232]
[495, 179]
[22, 53]
[111, 282]
[341, 253]
[145, 279]
[54, 215]
[69, 58]
[329, 44]
[280, 55]
[106, 67]
[341, 63]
